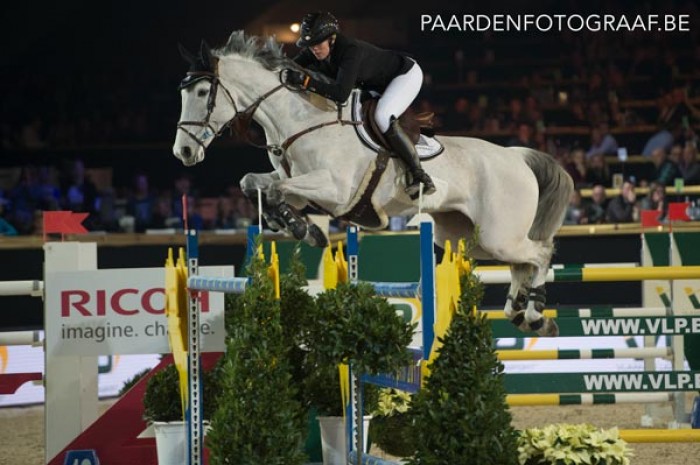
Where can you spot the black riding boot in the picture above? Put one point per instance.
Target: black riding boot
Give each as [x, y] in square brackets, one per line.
[404, 148]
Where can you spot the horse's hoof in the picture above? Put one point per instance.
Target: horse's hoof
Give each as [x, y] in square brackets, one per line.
[316, 238]
[272, 224]
[549, 328]
[298, 230]
[519, 322]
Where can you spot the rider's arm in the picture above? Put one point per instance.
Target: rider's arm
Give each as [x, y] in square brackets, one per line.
[304, 58]
[339, 90]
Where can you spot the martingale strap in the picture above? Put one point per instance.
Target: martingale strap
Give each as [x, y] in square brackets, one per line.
[290, 140]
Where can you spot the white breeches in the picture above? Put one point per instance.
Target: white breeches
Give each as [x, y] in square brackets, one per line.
[397, 97]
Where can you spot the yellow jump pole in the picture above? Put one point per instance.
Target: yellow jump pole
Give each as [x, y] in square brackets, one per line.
[660, 435]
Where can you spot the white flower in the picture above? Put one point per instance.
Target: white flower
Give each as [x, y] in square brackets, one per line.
[581, 444]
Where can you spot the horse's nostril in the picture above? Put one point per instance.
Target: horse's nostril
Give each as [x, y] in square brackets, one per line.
[187, 152]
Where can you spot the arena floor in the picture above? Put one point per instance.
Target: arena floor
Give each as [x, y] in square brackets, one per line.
[21, 430]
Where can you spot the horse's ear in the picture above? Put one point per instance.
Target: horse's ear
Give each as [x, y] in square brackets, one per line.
[205, 53]
[186, 54]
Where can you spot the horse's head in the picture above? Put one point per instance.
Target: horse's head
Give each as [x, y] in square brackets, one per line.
[205, 110]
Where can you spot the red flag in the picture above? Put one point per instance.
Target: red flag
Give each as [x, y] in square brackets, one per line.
[678, 211]
[64, 222]
[650, 218]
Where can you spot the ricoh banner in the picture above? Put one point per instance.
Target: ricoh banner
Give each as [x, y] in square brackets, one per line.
[121, 311]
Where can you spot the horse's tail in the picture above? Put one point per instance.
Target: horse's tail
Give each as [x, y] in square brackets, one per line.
[556, 187]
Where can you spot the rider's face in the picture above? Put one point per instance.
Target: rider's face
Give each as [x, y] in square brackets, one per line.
[321, 50]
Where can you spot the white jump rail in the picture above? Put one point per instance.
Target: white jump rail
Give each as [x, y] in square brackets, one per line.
[32, 288]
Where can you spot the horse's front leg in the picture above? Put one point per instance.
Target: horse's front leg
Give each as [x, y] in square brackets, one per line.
[255, 184]
[317, 187]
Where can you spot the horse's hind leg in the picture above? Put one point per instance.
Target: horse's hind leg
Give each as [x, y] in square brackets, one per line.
[530, 261]
[537, 297]
[517, 299]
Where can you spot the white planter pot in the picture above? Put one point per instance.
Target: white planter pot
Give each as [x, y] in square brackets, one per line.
[335, 451]
[171, 442]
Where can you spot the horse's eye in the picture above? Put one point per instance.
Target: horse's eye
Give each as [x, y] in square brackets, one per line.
[202, 93]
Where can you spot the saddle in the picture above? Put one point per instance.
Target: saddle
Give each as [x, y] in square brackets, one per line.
[418, 126]
[411, 122]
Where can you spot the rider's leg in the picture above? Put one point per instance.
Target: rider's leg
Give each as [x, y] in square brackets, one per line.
[404, 147]
[398, 95]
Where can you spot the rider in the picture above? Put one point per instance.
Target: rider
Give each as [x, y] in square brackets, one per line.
[354, 63]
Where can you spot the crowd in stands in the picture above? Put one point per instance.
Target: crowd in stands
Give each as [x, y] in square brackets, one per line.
[589, 99]
[138, 207]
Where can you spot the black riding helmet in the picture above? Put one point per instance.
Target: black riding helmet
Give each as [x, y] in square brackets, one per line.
[317, 27]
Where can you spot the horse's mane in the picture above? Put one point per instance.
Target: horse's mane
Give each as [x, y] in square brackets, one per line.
[266, 51]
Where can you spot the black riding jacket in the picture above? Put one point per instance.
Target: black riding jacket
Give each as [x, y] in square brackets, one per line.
[353, 63]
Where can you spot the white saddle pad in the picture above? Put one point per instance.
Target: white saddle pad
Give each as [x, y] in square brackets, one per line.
[427, 147]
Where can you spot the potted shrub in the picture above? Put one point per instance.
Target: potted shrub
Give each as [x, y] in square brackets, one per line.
[296, 307]
[163, 409]
[259, 419]
[461, 415]
[573, 445]
[353, 326]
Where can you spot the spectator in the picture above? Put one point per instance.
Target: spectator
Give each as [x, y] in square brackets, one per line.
[623, 209]
[576, 167]
[655, 200]
[226, 218]
[183, 186]
[140, 204]
[665, 170]
[476, 119]
[6, 229]
[676, 112]
[575, 212]
[456, 119]
[598, 171]
[514, 114]
[163, 217]
[32, 136]
[602, 142]
[596, 207]
[690, 167]
[24, 199]
[676, 153]
[576, 116]
[245, 212]
[532, 113]
[79, 193]
[49, 195]
[524, 137]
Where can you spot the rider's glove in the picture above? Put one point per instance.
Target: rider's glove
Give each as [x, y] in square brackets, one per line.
[297, 78]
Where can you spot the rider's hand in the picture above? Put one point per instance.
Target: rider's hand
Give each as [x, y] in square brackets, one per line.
[296, 78]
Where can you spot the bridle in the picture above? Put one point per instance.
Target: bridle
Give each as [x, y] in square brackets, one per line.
[240, 122]
[241, 119]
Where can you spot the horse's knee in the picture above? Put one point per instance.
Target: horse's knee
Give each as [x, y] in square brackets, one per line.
[248, 184]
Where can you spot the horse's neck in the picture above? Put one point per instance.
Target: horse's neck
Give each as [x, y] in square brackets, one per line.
[283, 113]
